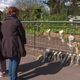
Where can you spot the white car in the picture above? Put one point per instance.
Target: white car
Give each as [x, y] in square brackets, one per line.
[75, 21]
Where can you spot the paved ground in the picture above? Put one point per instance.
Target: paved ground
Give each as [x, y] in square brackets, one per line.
[30, 69]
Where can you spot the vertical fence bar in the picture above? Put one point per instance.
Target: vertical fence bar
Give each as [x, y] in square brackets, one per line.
[35, 35]
[36, 28]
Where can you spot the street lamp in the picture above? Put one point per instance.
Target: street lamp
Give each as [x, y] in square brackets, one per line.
[67, 4]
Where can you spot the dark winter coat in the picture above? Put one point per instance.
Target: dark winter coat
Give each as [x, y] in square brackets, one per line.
[0, 36]
[1, 57]
[13, 37]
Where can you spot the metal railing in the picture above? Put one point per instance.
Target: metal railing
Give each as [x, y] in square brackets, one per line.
[37, 40]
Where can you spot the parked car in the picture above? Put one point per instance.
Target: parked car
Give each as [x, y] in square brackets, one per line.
[75, 20]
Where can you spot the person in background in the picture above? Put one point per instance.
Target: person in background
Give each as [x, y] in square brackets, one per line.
[13, 41]
[2, 60]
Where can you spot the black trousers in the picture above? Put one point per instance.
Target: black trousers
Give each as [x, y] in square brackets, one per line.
[2, 65]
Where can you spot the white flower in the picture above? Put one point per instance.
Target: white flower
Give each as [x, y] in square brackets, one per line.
[61, 35]
[48, 30]
[71, 38]
[61, 31]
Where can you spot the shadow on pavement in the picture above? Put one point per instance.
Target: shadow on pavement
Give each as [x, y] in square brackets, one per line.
[50, 68]
[29, 66]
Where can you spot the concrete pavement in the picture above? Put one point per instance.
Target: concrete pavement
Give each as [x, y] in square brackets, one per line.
[30, 69]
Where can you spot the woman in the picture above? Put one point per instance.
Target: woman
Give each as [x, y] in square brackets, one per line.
[2, 60]
[13, 41]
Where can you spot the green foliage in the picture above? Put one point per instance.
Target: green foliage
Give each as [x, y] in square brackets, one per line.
[39, 28]
[38, 13]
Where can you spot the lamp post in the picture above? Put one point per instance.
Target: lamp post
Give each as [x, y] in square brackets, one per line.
[38, 14]
[67, 4]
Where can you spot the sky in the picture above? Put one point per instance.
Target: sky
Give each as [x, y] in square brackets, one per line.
[7, 3]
